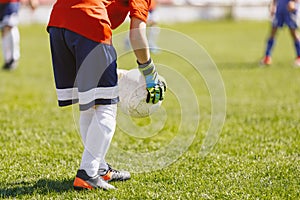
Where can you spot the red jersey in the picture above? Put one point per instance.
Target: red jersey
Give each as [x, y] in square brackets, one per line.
[94, 19]
[152, 5]
[85, 17]
[8, 1]
[119, 9]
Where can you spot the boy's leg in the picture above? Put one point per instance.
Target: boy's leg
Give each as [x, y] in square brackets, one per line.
[10, 35]
[96, 143]
[65, 71]
[291, 21]
[269, 47]
[297, 46]
[271, 41]
[85, 121]
[11, 44]
[98, 138]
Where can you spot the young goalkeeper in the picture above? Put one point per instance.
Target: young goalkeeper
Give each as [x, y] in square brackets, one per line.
[84, 64]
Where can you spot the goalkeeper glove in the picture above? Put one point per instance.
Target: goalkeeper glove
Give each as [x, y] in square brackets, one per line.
[155, 88]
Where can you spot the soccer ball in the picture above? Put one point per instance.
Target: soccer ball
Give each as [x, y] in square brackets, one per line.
[133, 94]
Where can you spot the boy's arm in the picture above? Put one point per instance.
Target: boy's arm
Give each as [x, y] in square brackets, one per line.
[272, 7]
[138, 39]
[33, 4]
[139, 43]
[292, 5]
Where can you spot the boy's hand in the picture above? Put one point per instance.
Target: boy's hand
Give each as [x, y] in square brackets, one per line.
[156, 93]
[156, 88]
[291, 6]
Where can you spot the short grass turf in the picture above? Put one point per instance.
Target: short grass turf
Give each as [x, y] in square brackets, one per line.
[256, 155]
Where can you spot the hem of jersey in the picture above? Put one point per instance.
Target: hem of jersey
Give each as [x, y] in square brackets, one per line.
[107, 41]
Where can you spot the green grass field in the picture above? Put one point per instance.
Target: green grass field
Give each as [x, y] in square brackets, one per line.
[256, 156]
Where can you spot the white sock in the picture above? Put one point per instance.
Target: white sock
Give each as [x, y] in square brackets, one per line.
[11, 44]
[98, 138]
[85, 121]
[7, 46]
[16, 43]
[103, 165]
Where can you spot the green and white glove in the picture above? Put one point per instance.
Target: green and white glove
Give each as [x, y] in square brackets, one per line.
[156, 88]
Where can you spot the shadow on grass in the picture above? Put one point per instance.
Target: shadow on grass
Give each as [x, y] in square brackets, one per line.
[43, 186]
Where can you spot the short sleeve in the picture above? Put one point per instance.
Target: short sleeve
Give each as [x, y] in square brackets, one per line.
[117, 12]
[139, 9]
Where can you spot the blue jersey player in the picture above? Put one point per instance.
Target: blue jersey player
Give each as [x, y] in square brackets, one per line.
[10, 37]
[284, 12]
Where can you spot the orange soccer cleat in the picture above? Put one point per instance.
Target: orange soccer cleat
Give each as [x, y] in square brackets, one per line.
[84, 182]
[113, 175]
[297, 62]
[267, 60]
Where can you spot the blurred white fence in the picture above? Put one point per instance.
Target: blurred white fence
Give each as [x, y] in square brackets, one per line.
[187, 10]
[177, 10]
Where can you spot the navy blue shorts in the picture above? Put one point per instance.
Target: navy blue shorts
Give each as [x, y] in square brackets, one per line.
[85, 71]
[288, 18]
[9, 14]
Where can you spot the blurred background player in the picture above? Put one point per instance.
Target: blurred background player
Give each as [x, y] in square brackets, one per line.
[10, 35]
[85, 71]
[283, 12]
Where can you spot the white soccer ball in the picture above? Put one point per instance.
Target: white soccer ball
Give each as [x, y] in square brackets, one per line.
[133, 94]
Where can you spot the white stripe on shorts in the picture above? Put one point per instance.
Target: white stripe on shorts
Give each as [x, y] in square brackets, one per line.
[67, 94]
[88, 96]
[98, 93]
